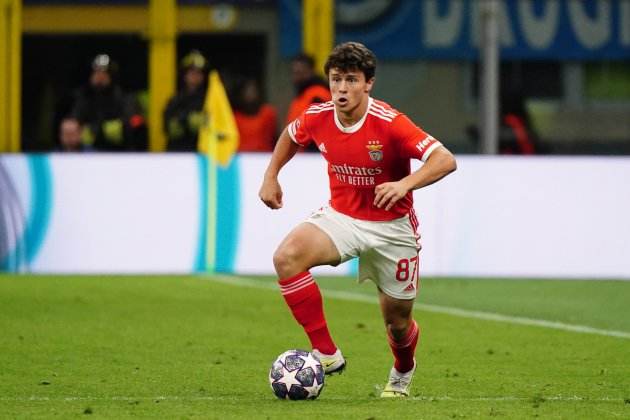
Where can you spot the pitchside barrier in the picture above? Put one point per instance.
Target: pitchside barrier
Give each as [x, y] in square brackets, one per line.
[559, 217]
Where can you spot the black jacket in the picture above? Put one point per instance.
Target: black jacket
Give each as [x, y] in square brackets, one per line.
[112, 120]
[182, 118]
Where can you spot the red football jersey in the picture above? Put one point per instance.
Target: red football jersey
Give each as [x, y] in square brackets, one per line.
[376, 149]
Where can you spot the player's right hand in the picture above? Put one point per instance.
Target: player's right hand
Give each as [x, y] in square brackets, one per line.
[271, 193]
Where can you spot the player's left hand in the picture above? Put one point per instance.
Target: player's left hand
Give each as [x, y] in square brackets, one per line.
[388, 193]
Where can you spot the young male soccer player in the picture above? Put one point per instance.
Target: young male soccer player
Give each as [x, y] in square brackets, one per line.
[368, 146]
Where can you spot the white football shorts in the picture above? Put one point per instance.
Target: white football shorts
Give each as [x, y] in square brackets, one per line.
[387, 251]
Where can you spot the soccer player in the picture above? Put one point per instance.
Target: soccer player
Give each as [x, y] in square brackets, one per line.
[368, 146]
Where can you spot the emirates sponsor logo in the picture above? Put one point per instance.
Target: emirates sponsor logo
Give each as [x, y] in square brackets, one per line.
[359, 176]
[346, 169]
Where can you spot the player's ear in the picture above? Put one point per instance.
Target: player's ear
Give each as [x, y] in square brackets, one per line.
[369, 85]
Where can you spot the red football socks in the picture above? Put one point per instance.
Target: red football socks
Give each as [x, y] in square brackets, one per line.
[305, 301]
[405, 348]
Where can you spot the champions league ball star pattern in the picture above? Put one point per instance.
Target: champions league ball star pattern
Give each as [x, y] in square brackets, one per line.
[296, 375]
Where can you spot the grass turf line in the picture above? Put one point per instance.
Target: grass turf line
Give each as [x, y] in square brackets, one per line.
[114, 346]
[466, 313]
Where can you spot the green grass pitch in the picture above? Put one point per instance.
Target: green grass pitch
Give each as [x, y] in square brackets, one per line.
[201, 347]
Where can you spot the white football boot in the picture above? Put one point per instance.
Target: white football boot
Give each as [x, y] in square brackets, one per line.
[334, 363]
[398, 384]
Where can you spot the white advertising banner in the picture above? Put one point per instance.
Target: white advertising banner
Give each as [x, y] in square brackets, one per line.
[529, 217]
[122, 213]
[109, 213]
[555, 217]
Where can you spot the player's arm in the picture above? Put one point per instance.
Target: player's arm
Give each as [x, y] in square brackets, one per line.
[270, 191]
[440, 163]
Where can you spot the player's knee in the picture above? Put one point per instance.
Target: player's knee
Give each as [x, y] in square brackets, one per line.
[286, 261]
[398, 327]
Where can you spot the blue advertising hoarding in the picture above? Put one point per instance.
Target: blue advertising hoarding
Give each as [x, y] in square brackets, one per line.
[448, 29]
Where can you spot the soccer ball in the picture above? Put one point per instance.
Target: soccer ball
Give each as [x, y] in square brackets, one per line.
[296, 375]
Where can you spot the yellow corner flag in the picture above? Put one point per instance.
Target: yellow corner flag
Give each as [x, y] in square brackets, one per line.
[218, 136]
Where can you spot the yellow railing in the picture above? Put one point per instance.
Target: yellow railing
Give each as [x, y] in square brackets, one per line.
[318, 30]
[10, 74]
[162, 66]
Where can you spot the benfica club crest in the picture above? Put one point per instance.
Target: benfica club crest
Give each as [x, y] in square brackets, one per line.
[374, 150]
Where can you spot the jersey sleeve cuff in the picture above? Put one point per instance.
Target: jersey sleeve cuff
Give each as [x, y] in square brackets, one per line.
[430, 150]
[291, 130]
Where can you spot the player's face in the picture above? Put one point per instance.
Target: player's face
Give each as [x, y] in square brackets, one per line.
[349, 90]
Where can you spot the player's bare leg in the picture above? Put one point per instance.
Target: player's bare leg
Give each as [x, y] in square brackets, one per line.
[402, 334]
[305, 247]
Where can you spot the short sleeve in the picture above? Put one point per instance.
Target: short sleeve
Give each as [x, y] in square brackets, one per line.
[298, 132]
[414, 142]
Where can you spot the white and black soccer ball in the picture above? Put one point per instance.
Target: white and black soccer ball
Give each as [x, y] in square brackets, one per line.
[296, 375]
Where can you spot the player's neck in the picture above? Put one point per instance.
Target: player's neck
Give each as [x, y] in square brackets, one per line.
[353, 116]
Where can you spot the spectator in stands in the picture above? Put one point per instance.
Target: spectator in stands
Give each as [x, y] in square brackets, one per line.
[70, 137]
[183, 115]
[111, 119]
[256, 120]
[309, 88]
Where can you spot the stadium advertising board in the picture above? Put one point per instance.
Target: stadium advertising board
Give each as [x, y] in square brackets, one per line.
[449, 29]
[144, 213]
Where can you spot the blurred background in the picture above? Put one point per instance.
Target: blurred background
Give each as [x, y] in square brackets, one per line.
[568, 62]
[495, 77]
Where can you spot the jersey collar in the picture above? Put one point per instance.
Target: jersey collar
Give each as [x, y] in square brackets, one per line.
[356, 126]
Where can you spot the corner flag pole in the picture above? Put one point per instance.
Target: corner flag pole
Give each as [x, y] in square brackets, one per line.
[218, 139]
[211, 225]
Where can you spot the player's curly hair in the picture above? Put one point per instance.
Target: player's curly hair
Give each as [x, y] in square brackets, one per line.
[352, 56]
